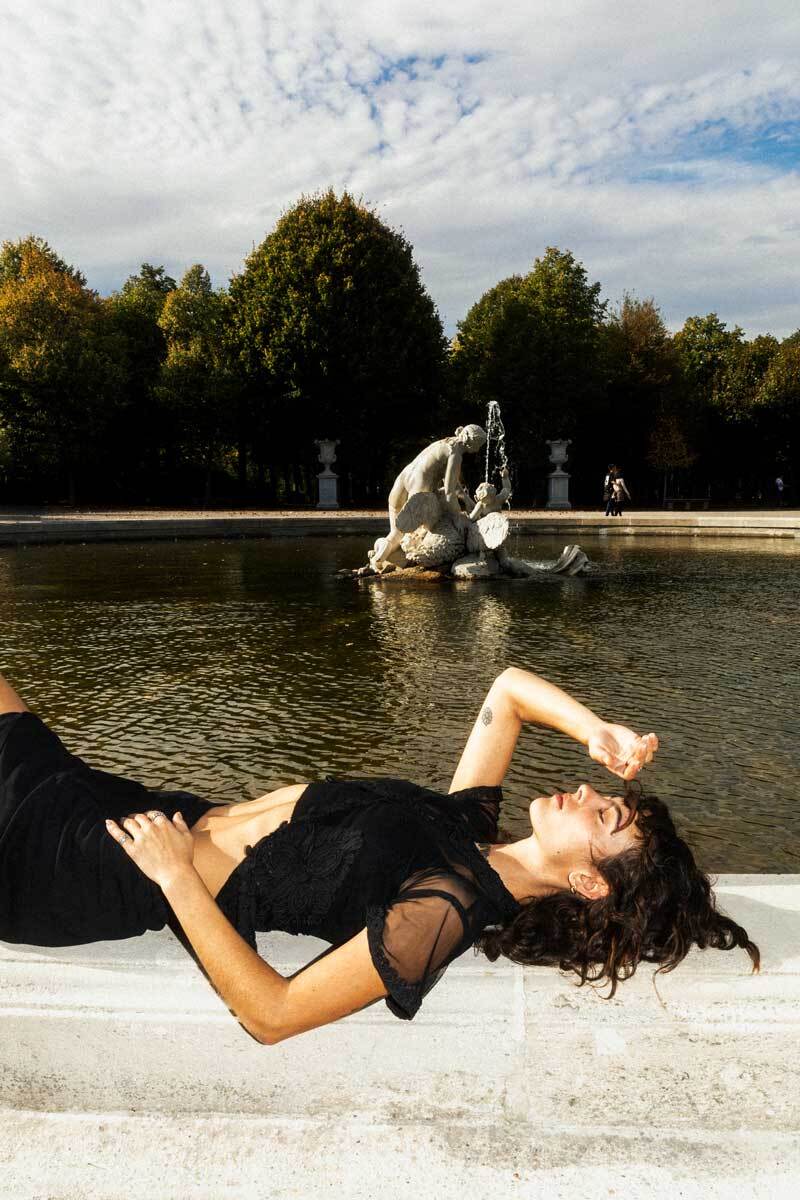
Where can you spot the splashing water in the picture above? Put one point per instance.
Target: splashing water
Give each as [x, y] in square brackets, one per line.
[496, 429]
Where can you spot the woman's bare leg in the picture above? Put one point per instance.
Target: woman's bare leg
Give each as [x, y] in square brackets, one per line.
[9, 700]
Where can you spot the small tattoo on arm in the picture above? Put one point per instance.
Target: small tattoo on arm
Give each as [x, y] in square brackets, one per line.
[486, 716]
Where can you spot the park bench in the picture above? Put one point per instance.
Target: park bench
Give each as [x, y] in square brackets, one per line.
[674, 502]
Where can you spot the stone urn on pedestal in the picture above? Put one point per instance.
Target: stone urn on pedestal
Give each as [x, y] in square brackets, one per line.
[558, 480]
[327, 480]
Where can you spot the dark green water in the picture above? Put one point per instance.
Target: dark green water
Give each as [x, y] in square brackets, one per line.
[231, 667]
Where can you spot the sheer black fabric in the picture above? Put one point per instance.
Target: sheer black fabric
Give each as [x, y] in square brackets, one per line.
[434, 918]
[385, 854]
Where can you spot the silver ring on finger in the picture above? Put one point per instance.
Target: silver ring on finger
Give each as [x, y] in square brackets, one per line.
[126, 837]
[155, 816]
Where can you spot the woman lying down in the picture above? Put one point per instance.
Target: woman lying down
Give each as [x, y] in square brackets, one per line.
[399, 879]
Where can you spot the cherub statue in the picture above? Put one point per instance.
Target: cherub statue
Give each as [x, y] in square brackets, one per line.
[413, 500]
[488, 499]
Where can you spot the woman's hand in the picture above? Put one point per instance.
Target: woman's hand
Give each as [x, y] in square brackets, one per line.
[161, 848]
[621, 750]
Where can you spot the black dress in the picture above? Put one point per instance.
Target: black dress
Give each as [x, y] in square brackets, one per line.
[385, 854]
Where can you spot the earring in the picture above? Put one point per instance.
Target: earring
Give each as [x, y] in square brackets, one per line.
[572, 888]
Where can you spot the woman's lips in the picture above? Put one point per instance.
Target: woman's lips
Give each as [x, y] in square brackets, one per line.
[559, 799]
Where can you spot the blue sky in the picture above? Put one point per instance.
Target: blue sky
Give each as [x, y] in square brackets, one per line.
[661, 144]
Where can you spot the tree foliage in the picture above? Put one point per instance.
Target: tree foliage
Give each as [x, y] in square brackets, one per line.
[16, 258]
[197, 385]
[643, 409]
[140, 427]
[531, 344]
[161, 389]
[334, 326]
[778, 400]
[738, 383]
[59, 362]
[705, 345]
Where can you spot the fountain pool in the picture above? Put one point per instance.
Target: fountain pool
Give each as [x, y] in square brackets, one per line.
[231, 667]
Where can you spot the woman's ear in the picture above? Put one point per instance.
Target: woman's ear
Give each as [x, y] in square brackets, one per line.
[588, 883]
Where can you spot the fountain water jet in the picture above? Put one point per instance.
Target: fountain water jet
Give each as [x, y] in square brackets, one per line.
[494, 425]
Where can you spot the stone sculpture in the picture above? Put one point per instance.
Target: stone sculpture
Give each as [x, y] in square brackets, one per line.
[434, 523]
[413, 500]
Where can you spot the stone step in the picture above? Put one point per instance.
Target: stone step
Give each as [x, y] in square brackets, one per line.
[507, 1075]
[123, 1156]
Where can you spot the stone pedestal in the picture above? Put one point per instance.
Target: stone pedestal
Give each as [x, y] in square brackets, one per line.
[327, 480]
[558, 480]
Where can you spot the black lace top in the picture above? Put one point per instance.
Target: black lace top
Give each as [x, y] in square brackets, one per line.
[385, 854]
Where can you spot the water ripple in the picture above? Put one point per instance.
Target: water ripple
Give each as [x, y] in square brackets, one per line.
[232, 667]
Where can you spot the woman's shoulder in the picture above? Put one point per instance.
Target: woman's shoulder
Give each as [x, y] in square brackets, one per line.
[480, 807]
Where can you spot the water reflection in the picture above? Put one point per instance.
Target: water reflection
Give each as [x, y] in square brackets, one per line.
[234, 667]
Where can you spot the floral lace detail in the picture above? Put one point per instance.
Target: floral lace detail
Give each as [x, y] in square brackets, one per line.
[291, 877]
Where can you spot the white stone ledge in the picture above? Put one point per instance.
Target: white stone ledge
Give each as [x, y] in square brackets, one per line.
[506, 1076]
[124, 1157]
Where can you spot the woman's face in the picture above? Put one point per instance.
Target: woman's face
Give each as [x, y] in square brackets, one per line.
[574, 829]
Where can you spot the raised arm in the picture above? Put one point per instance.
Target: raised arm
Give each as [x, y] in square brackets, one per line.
[270, 1007]
[505, 490]
[518, 697]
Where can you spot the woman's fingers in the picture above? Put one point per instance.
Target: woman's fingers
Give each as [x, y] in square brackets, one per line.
[134, 825]
[623, 752]
[641, 755]
[647, 747]
[119, 835]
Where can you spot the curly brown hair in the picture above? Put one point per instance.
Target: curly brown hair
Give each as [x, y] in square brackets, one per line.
[659, 904]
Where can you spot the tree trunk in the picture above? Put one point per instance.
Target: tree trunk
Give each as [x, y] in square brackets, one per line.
[242, 468]
[209, 463]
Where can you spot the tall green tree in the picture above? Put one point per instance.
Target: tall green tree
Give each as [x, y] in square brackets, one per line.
[339, 338]
[16, 256]
[705, 345]
[136, 309]
[738, 382]
[707, 349]
[531, 343]
[141, 450]
[778, 404]
[642, 414]
[197, 385]
[59, 365]
[668, 450]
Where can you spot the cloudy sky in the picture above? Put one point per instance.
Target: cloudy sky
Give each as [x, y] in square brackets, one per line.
[659, 142]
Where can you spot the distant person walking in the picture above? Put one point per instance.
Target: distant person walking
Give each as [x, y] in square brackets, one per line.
[779, 488]
[619, 493]
[608, 496]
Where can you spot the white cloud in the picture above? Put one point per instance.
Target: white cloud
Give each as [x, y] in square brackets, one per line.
[177, 133]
